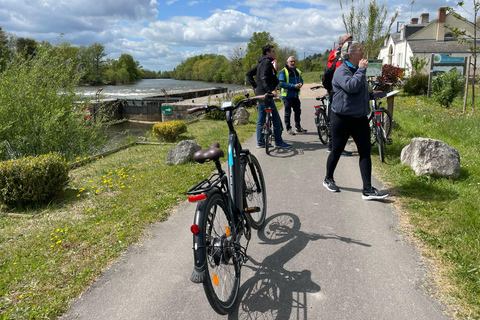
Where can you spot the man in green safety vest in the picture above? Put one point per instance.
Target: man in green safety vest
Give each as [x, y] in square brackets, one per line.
[290, 81]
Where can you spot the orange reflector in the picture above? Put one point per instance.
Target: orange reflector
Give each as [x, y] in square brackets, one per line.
[195, 229]
[215, 279]
[197, 197]
[227, 231]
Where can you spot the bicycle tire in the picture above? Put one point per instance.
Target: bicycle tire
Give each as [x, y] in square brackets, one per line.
[254, 195]
[386, 122]
[381, 143]
[267, 136]
[322, 126]
[222, 281]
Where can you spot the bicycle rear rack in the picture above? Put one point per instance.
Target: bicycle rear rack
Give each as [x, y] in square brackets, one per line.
[207, 184]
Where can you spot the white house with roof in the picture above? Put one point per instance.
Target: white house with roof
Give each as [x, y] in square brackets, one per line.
[424, 38]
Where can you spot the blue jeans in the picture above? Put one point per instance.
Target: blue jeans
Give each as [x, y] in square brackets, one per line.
[277, 122]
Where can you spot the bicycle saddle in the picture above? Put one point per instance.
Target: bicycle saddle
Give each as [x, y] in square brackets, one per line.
[212, 153]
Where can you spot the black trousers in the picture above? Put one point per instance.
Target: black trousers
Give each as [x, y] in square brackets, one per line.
[342, 128]
[292, 103]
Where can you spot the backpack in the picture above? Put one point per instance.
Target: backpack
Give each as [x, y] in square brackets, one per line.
[328, 74]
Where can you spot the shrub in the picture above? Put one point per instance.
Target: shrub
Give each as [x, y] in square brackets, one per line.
[32, 180]
[416, 85]
[37, 99]
[215, 115]
[447, 86]
[390, 74]
[170, 130]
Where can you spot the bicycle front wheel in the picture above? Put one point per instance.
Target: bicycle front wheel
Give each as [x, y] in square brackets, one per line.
[254, 193]
[222, 281]
[322, 126]
[386, 121]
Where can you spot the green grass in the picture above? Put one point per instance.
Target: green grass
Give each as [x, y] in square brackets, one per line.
[47, 260]
[443, 213]
[312, 77]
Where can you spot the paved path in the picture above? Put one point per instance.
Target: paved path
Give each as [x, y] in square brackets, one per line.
[344, 258]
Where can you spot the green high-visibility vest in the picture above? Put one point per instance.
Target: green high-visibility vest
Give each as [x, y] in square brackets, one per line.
[284, 91]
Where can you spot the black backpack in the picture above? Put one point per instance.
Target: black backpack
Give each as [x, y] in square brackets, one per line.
[328, 74]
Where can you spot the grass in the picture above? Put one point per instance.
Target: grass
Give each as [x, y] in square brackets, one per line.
[312, 77]
[47, 260]
[442, 214]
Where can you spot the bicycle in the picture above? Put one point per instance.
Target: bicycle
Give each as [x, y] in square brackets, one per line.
[322, 121]
[380, 121]
[229, 206]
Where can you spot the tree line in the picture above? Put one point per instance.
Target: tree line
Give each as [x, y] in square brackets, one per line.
[88, 59]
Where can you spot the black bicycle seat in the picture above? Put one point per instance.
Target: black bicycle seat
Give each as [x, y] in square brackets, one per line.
[212, 153]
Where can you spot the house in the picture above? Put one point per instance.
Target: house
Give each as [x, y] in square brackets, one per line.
[424, 38]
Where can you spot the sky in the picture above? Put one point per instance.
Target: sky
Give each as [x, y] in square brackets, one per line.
[161, 34]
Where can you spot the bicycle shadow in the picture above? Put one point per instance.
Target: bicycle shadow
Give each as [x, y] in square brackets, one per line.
[273, 292]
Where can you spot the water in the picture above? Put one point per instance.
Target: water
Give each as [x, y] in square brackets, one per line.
[150, 87]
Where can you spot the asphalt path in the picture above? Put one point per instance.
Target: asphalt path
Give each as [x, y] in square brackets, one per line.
[342, 258]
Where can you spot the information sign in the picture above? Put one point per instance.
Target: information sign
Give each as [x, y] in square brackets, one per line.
[167, 109]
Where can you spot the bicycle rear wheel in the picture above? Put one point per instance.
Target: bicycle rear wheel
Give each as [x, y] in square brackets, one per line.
[254, 193]
[222, 280]
[386, 121]
[268, 133]
[381, 143]
[322, 125]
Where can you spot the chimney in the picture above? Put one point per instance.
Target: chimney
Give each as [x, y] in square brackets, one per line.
[441, 24]
[414, 21]
[424, 18]
[441, 15]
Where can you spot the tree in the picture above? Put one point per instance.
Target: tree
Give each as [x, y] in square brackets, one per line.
[254, 48]
[282, 55]
[6, 54]
[368, 28]
[466, 38]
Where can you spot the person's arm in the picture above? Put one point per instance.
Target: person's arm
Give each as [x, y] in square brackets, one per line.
[348, 82]
[282, 78]
[250, 73]
[267, 72]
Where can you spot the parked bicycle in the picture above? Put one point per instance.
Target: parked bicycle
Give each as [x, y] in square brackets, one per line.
[322, 121]
[380, 123]
[229, 206]
[268, 135]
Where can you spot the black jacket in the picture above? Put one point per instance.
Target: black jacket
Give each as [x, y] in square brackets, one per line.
[265, 74]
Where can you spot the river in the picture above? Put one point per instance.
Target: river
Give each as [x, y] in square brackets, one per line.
[149, 87]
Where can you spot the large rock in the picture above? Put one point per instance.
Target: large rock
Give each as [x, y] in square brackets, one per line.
[431, 157]
[182, 152]
[241, 116]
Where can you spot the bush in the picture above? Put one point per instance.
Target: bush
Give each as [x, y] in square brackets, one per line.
[390, 74]
[37, 99]
[416, 85]
[215, 115]
[169, 131]
[447, 86]
[239, 97]
[32, 180]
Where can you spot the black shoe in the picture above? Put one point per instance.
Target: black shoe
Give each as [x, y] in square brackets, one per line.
[300, 130]
[346, 153]
[330, 185]
[373, 193]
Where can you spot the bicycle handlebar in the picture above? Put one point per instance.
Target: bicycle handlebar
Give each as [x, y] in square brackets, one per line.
[247, 100]
[316, 87]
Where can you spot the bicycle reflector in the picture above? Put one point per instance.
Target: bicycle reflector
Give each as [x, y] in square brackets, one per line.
[197, 197]
[195, 229]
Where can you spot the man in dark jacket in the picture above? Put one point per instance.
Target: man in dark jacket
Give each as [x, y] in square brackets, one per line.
[266, 82]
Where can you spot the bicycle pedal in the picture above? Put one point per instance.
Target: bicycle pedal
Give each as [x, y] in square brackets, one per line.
[389, 141]
[252, 209]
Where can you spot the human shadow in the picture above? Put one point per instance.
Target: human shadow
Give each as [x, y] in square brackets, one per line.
[275, 293]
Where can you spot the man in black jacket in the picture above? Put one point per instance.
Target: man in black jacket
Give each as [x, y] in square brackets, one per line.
[266, 82]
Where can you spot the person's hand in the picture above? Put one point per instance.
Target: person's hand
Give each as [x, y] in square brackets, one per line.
[298, 86]
[363, 63]
[274, 93]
